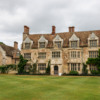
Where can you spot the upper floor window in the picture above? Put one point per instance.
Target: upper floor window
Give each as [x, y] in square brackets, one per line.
[75, 54]
[93, 43]
[27, 56]
[42, 55]
[56, 54]
[17, 54]
[58, 44]
[42, 44]
[73, 44]
[27, 45]
[93, 54]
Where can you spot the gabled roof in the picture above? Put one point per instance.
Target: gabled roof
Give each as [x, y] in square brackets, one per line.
[8, 49]
[83, 37]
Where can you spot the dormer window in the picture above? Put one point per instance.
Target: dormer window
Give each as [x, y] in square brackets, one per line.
[58, 44]
[27, 45]
[73, 44]
[93, 40]
[42, 44]
[74, 41]
[93, 43]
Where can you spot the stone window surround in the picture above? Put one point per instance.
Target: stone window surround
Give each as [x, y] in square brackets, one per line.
[93, 53]
[74, 41]
[41, 66]
[56, 51]
[93, 38]
[54, 43]
[27, 45]
[74, 66]
[27, 40]
[42, 39]
[57, 39]
[42, 44]
[27, 56]
[42, 55]
[77, 54]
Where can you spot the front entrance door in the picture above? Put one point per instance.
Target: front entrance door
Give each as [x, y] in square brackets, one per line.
[56, 70]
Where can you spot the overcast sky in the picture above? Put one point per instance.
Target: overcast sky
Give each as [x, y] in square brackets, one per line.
[40, 15]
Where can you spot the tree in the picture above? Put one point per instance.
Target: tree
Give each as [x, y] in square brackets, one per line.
[84, 70]
[95, 61]
[21, 64]
[48, 68]
[34, 67]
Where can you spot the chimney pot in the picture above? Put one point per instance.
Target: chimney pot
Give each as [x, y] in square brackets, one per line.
[53, 30]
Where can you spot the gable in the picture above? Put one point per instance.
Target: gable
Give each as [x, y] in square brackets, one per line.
[42, 39]
[27, 40]
[57, 38]
[74, 38]
[92, 36]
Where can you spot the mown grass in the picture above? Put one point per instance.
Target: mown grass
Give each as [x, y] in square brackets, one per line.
[49, 88]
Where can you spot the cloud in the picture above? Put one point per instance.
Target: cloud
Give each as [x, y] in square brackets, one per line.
[40, 15]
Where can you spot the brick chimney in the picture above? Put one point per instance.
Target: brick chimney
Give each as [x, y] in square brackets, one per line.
[53, 30]
[15, 45]
[72, 29]
[26, 29]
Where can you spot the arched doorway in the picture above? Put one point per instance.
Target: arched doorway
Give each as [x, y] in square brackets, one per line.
[55, 70]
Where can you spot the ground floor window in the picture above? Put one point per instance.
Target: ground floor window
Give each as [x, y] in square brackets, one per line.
[74, 67]
[92, 67]
[27, 67]
[42, 66]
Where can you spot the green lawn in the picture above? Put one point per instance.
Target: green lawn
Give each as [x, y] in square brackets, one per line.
[49, 88]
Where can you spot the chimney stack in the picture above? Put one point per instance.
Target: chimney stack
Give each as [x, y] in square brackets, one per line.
[72, 29]
[26, 29]
[15, 45]
[53, 30]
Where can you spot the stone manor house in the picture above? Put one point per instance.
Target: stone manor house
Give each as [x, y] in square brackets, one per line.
[66, 51]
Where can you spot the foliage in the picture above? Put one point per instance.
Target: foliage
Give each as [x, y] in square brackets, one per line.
[84, 70]
[34, 67]
[21, 64]
[1, 43]
[6, 68]
[48, 68]
[73, 73]
[95, 61]
[94, 72]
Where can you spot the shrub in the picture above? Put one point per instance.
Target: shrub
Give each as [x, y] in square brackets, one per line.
[94, 72]
[6, 68]
[73, 73]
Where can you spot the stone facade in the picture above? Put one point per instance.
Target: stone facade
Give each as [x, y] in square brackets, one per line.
[65, 51]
